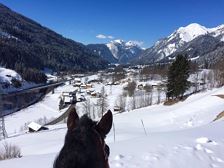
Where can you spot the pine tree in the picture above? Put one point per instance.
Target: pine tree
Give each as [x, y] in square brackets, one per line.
[177, 77]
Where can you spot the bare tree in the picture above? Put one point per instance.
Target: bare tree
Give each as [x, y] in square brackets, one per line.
[210, 80]
[102, 101]
[149, 94]
[204, 80]
[219, 73]
[133, 102]
[130, 88]
[121, 102]
[195, 81]
[87, 107]
[3, 133]
[119, 73]
[142, 99]
[159, 91]
[86, 79]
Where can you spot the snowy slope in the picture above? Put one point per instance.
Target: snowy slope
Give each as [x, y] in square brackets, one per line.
[189, 32]
[6, 83]
[6, 75]
[182, 135]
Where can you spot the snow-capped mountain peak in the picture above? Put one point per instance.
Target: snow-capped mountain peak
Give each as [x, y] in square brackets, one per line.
[124, 51]
[179, 40]
[119, 41]
[216, 31]
[191, 31]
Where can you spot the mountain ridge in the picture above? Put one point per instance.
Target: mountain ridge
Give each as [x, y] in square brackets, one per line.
[168, 47]
[27, 43]
[120, 51]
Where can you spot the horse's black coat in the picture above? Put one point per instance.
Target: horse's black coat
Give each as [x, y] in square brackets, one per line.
[81, 147]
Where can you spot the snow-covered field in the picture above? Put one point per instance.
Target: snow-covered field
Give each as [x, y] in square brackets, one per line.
[183, 135]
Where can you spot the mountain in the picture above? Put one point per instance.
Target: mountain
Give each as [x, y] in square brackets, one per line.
[197, 41]
[103, 51]
[26, 43]
[117, 51]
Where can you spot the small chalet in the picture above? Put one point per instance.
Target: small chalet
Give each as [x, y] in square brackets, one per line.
[34, 127]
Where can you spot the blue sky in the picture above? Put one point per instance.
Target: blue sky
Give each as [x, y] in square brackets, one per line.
[141, 20]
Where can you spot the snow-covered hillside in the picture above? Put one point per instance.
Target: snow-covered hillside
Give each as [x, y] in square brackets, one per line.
[183, 135]
[6, 75]
[8, 78]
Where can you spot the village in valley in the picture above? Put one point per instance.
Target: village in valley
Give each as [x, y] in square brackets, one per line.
[119, 88]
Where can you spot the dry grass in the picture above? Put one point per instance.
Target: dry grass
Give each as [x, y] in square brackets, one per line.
[218, 117]
[174, 101]
[170, 102]
[10, 151]
[220, 96]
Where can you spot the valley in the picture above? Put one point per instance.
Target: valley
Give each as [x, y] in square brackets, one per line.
[136, 84]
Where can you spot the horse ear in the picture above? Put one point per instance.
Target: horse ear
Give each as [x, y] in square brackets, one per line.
[73, 118]
[105, 123]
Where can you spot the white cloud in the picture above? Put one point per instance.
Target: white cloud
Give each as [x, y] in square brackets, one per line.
[102, 36]
[110, 37]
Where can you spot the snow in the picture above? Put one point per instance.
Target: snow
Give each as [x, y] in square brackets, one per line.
[7, 35]
[203, 140]
[191, 31]
[219, 30]
[118, 41]
[222, 39]
[133, 43]
[185, 34]
[6, 75]
[182, 135]
[171, 48]
[48, 108]
[130, 46]
[192, 59]
[113, 48]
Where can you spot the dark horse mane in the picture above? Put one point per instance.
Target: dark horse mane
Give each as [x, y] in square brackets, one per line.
[80, 149]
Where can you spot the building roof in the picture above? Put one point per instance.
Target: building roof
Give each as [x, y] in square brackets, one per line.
[34, 126]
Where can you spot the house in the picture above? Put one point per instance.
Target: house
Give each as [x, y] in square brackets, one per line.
[117, 109]
[80, 98]
[140, 87]
[90, 91]
[83, 86]
[68, 99]
[77, 80]
[88, 86]
[77, 84]
[94, 94]
[34, 127]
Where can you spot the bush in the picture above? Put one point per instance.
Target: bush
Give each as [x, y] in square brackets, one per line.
[10, 151]
[16, 83]
[131, 88]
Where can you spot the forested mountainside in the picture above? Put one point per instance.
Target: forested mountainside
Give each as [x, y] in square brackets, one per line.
[25, 43]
